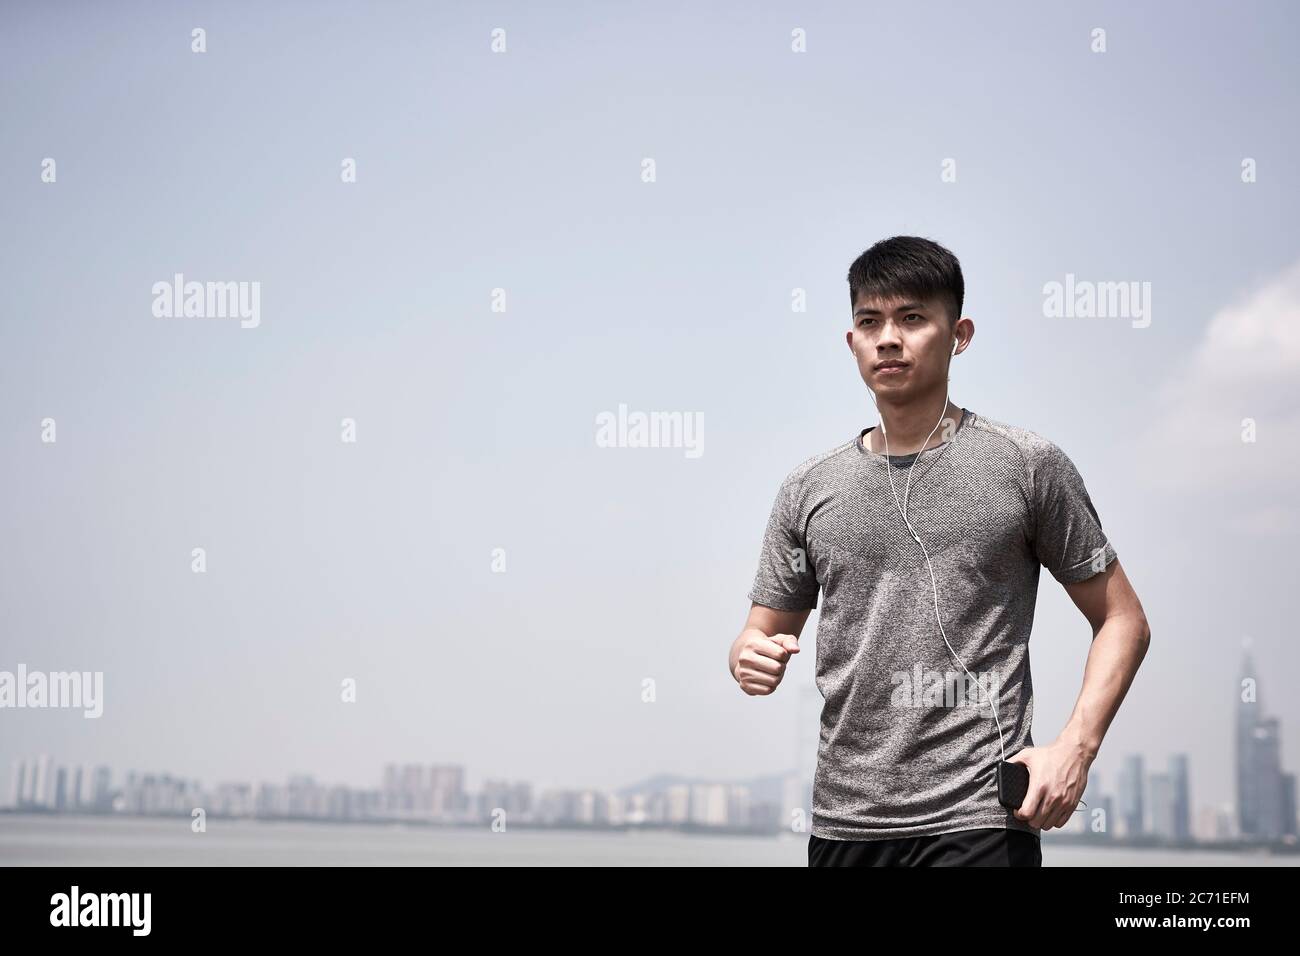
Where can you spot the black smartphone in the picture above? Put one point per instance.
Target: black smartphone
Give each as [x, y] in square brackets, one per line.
[1013, 784]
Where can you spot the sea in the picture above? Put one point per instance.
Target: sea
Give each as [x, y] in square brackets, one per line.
[72, 840]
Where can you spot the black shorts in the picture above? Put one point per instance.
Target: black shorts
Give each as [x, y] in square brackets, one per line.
[983, 847]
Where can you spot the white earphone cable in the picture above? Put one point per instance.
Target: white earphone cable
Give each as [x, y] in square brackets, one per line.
[889, 470]
[915, 537]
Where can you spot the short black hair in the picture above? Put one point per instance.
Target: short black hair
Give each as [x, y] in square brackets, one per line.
[909, 266]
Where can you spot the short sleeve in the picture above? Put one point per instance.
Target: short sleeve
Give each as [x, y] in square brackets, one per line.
[1068, 537]
[786, 578]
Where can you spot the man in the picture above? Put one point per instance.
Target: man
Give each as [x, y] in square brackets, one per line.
[925, 536]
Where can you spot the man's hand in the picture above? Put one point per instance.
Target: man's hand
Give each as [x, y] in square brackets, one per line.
[761, 661]
[1058, 774]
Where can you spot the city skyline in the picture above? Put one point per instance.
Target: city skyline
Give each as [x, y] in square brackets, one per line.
[1145, 804]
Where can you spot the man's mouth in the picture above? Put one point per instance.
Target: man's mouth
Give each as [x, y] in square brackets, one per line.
[891, 367]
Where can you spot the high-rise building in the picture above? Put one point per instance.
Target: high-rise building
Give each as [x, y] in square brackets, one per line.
[103, 789]
[1288, 805]
[794, 811]
[1097, 822]
[18, 784]
[1131, 807]
[709, 804]
[1214, 823]
[740, 803]
[60, 788]
[1260, 784]
[447, 798]
[74, 788]
[1161, 792]
[1102, 816]
[306, 798]
[414, 791]
[41, 793]
[1181, 799]
[808, 744]
[425, 792]
[515, 801]
[272, 801]
[677, 803]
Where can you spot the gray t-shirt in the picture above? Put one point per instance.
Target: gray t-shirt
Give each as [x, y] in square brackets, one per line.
[909, 745]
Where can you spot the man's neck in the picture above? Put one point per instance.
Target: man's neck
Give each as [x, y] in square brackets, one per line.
[909, 424]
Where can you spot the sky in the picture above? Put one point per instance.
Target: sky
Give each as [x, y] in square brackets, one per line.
[647, 189]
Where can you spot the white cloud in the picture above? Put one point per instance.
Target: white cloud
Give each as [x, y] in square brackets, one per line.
[1260, 338]
[1246, 366]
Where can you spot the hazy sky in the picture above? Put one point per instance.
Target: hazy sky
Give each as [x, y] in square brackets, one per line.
[475, 428]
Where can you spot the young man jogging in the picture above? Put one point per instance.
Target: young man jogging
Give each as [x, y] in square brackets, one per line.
[924, 537]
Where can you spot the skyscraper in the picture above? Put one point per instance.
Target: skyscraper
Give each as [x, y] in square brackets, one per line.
[75, 784]
[1097, 821]
[40, 790]
[103, 790]
[1162, 805]
[1260, 783]
[807, 744]
[18, 784]
[1181, 799]
[60, 801]
[1131, 808]
[1288, 805]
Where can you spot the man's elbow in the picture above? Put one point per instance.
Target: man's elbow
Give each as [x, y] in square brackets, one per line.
[1134, 626]
[1143, 635]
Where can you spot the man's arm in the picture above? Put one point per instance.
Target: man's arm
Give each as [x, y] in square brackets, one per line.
[760, 652]
[1120, 637]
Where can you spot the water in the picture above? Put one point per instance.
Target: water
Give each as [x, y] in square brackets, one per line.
[40, 840]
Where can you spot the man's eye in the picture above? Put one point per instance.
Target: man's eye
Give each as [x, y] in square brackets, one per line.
[910, 315]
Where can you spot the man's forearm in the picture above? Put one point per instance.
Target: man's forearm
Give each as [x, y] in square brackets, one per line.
[1117, 651]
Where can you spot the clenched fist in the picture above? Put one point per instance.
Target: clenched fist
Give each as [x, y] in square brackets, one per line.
[760, 665]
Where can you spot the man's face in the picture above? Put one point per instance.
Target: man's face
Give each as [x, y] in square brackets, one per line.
[910, 337]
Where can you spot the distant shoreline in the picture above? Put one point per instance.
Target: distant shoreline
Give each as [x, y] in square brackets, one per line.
[1074, 840]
